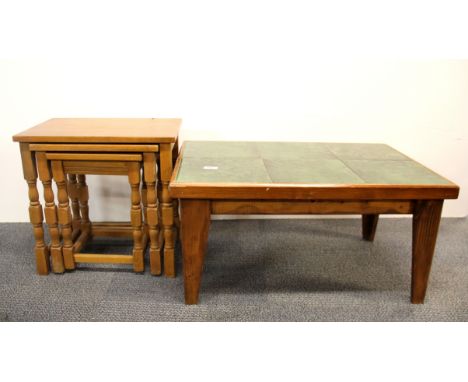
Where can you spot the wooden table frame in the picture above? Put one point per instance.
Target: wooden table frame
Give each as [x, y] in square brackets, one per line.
[199, 201]
[51, 152]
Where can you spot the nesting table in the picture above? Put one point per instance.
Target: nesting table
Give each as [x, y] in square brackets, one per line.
[305, 178]
[65, 150]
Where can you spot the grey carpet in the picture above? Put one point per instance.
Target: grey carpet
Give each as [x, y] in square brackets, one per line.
[256, 270]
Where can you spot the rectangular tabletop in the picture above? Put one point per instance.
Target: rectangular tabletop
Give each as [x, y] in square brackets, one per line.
[103, 130]
[297, 170]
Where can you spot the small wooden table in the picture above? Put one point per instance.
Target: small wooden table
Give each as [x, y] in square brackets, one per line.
[79, 146]
[305, 178]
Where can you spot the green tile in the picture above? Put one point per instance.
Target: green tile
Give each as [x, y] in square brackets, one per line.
[394, 172]
[222, 170]
[365, 151]
[216, 149]
[293, 150]
[319, 171]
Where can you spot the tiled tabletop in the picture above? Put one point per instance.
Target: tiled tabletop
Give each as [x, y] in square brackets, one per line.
[303, 163]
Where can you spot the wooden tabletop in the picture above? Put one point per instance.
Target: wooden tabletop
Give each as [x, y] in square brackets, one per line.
[103, 130]
[301, 170]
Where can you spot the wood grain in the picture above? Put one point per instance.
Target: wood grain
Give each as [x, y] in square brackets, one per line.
[195, 223]
[426, 221]
[311, 191]
[297, 207]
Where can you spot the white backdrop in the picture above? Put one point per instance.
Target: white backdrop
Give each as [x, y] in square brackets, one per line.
[241, 72]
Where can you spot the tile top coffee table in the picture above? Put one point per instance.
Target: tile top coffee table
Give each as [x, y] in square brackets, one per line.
[305, 178]
[144, 149]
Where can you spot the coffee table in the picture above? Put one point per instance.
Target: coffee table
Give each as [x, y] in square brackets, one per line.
[213, 178]
[144, 149]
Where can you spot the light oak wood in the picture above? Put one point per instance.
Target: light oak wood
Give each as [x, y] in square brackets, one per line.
[112, 229]
[167, 209]
[64, 214]
[41, 251]
[369, 225]
[136, 216]
[103, 130]
[100, 147]
[195, 224]
[93, 148]
[73, 192]
[81, 241]
[150, 177]
[95, 168]
[103, 259]
[278, 207]
[83, 197]
[426, 221]
[50, 211]
[95, 157]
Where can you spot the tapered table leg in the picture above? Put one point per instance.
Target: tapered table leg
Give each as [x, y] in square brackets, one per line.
[195, 224]
[150, 169]
[426, 219]
[167, 209]
[369, 226]
[135, 216]
[35, 209]
[50, 210]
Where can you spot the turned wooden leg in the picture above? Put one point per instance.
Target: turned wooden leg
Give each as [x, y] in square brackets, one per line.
[150, 169]
[74, 193]
[64, 214]
[175, 202]
[195, 224]
[35, 210]
[50, 210]
[167, 209]
[426, 219]
[135, 216]
[83, 196]
[144, 204]
[369, 225]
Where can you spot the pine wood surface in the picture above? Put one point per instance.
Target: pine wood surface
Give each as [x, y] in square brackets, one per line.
[258, 171]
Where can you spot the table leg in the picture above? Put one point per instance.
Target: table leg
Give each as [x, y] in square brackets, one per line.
[83, 196]
[64, 214]
[74, 193]
[50, 211]
[426, 219]
[35, 209]
[150, 169]
[369, 226]
[175, 202]
[195, 224]
[167, 209]
[135, 216]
